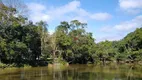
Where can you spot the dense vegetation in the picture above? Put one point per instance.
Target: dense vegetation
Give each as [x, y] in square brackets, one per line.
[23, 42]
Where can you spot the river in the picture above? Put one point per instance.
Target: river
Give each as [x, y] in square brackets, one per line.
[74, 72]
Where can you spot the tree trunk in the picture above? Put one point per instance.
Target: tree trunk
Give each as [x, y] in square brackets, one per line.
[103, 61]
[54, 56]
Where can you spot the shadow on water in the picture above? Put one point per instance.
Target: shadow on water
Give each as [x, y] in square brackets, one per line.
[74, 72]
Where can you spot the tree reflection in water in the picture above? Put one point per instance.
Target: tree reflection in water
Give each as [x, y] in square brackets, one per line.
[74, 72]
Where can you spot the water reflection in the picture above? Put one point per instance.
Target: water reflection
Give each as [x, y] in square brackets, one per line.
[74, 72]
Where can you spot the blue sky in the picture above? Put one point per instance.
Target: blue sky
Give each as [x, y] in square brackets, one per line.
[106, 19]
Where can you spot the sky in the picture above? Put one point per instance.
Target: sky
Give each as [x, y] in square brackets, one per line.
[106, 19]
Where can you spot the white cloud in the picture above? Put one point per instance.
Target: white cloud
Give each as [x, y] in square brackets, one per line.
[118, 31]
[37, 12]
[129, 25]
[124, 26]
[69, 11]
[101, 16]
[81, 19]
[109, 37]
[73, 10]
[131, 6]
[82, 12]
[65, 9]
[36, 7]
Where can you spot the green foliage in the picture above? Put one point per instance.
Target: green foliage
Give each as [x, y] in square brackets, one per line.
[132, 45]
[19, 39]
[125, 50]
[23, 43]
[75, 43]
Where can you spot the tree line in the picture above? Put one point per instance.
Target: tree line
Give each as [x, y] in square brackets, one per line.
[24, 42]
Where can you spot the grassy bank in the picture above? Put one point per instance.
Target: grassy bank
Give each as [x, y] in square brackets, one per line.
[60, 62]
[2, 66]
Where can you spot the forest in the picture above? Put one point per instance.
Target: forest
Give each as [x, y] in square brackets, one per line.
[23, 42]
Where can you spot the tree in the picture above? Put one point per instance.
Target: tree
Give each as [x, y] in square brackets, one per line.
[21, 8]
[20, 39]
[42, 27]
[73, 40]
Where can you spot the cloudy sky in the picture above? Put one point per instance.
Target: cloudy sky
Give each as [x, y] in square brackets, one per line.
[107, 19]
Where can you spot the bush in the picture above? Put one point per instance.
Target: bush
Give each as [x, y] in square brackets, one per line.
[2, 65]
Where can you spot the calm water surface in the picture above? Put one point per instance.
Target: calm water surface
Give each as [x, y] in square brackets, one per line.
[74, 72]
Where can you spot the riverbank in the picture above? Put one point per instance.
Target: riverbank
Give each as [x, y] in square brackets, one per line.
[3, 66]
[50, 65]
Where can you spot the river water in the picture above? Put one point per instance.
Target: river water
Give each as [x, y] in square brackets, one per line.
[74, 72]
